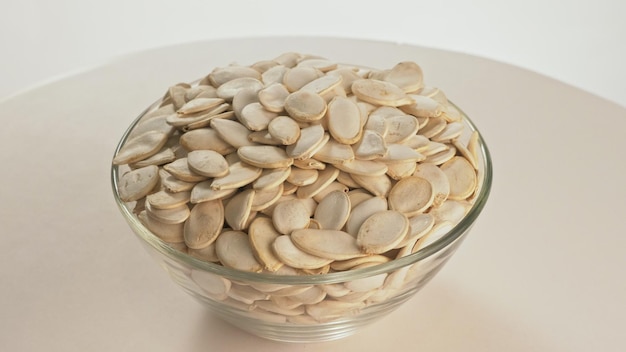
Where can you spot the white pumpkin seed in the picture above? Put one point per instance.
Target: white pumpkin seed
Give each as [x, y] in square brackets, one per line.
[207, 163]
[310, 137]
[171, 233]
[237, 211]
[382, 231]
[462, 178]
[379, 185]
[255, 117]
[271, 178]
[222, 75]
[305, 106]
[411, 196]
[205, 139]
[325, 177]
[204, 225]
[332, 212]
[175, 215]
[363, 211]
[380, 93]
[344, 120]
[264, 198]
[141, 147]
[422, 106]
[179, 168]
[136, 184]
[168, 200]
[264, 156]
[406, 75]
[330, 244]
[290, 215]
[363, 167]
[203, 192]
[334, 152]
[239, 175]
[291, 255]
[284, 129]
[302, 177]
[262, 235]
[232, 132]
[438, 180]
[234, 250]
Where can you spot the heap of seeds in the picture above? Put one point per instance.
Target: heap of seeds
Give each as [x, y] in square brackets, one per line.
[301, 163]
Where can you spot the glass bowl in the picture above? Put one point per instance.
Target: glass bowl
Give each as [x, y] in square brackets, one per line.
[307, 308]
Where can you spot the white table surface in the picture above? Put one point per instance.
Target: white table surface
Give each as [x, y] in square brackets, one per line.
[543, 269]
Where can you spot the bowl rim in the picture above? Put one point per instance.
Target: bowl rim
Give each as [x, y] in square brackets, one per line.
[455, 233]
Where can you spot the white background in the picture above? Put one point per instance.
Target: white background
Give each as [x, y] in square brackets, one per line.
[582, 43]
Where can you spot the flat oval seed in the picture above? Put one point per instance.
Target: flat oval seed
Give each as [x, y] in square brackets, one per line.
[324, 178]
[341, 265]
[168, 216]
[242, 99]
[237, 211]
[232, 132]
[398, 171]
[204, 224]
[333, 186]
[205, 139]
[289, 59]
[380, 93]
[452, 131]
[422, 106]
[334, 152]
[180, 169]
[400, 153]
[265, 198]
[229, 89]
[157, 123]
[274, 75]
[284, 129]
[222, 75]
[234, 250]
[323, 84]
[136, 184]
[305, 106]
[451, 211]
[441, 157]
[347, 180]
[239, 175]
[255, 117]
[411, 196]
[321, 64]
[462, 177]
[376, 123]
[400, 128]
[264, 156]
[167, 200]
[207, 253]
[377, 185]
[363, 211]
[290, 215]
[171, 233]
[291, 255]
[173, 184]
[141, 147]
[330, 244]
[262, 235]
[333, 211]
[463, 151]
[207, 163]
[203, 192]
[344, 120]
[348, 76]
[263, 137]
[310, 137]
[438, 180]
[200, 104]
[298, 77]
[371, 146]
[357, 196]
[302, 177]
[271, 178]
[163, 157]
[363, 167]
[406, 75]
[382, 231]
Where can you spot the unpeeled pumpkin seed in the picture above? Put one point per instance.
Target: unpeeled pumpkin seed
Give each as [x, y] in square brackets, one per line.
[234, 250]
[329, 244]
[136, 184]
[207, 163]
[382, 231]
[291, 255]
[204, 225]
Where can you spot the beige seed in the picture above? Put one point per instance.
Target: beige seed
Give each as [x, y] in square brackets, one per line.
[441, 157]
[291, 255]
[305, 106]
[271, 178]
[264, 198]
[330, 244]
[222, 75]
[411, 196]
[363, 211]
[165, 156]
[180, 169]
[334, 152]
[158, 123]
[198, 105]
[136, 184]
[173, 184]
[419, 225]
[451, 211]
[344, 120]
[289, 189]
[302, 177]
[323, 84]
[200, 91]
[400, 153]
[437, 232]
[417, 142]
[406, 75]
[325, 177]
[175, 215]
[462, 177]
[400, 128]
[229, 89]
[422, 106]
[311, 296]
[473, 147]
[171, 233]
[332, 187]
[284, 129]
[341, 265]
[206, 254]
[310, 137]
[289, 59]
[199, 119]
[298, 77]
[237, 211]
[263, 137]
[438, 180]
[255, 117]
[363, 167]
[433, 148]
[239, 175]
[262, 235]
[348, 76]
[380, 93]
[347, 180]
[309, 164]
[203, 192]
[321, 64]
[141, 147]
[289, 216]
[382, 231]
[207, 163]
[452, 131]
[376, 123]
[379, 185]
[371, 146]
[205, 139]
[204, 224]
[167, 200]
[274, 75]
[234, 250]
[398, 171]
[243, 98]
[177, 95]
[232, 132]
[357, 196]
[332, 212]
[264, 156]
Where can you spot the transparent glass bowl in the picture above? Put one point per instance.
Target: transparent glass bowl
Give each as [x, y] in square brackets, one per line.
[327, 306]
